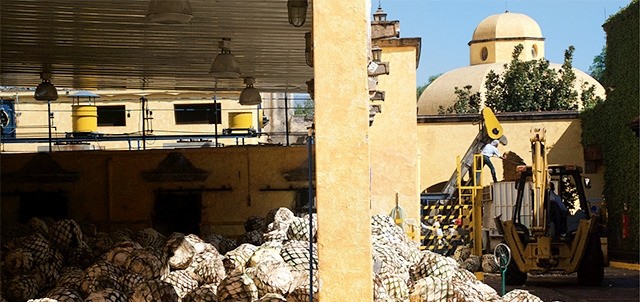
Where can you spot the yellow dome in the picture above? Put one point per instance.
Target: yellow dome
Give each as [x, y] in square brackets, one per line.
[505, 26]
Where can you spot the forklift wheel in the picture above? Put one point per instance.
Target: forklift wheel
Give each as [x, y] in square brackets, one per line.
[513, 275]
[591, 269]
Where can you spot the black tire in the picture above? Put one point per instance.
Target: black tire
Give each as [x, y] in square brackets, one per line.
[513, 275]
[591, 268]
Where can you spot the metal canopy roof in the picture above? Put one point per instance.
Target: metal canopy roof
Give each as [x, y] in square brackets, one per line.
[100, 44]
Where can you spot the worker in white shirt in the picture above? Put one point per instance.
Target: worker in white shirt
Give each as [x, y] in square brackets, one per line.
[489, 151]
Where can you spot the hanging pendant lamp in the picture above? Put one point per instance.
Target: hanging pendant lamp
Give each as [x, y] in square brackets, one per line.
[250, 95]
[225, 65]
[45, 90]
[297, 10]
[170, 11]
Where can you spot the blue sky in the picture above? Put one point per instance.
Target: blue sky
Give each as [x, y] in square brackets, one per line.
[446, 26]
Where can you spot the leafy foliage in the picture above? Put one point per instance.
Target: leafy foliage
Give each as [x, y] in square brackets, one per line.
[466, 102]
[526, 86]
[306, 109]
[607, 125]
[532, 85]
[597, 67]
[420, 89]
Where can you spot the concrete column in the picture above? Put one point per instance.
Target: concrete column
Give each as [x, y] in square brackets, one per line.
[341, 39]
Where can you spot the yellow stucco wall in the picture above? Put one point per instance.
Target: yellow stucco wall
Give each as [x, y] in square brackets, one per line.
[32, 121]
[111, 188]
[393, 137]
[502, 51]
[442, 142]
[341, 37]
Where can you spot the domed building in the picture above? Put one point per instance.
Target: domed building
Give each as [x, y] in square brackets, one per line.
[490, 48]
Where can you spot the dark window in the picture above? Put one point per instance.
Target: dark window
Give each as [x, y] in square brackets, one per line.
[42, 204]
[177, 212]
[197, 113]
[112, 116]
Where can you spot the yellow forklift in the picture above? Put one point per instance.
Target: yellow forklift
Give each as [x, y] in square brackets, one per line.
[542, 246]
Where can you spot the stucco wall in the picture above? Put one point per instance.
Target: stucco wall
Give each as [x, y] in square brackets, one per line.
[32, 122]
[110, 187]
[394, 149]
[441, 142]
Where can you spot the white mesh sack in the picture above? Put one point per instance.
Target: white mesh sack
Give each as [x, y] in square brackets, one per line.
[119, 254]
[269, 251]
[395, 287]
[489, 264]
[520, 295]
[273, 277]
[379, 291]
[433, 264]
[272, 298]
[147, 262]
[431, 289]
[236, 260]
[64, 294]
[153, 291]
[465, 291]
[299, 228]
[208, 268]
[237, 287]
[150, 237]
[106, 295]
[205, 293]
[182, 281]
[296, 254]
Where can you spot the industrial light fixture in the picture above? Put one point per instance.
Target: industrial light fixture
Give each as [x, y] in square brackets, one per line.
[225, 66]
[250, 95]
[45, 90]
[308, 48]
[297, 10]
[169, 11]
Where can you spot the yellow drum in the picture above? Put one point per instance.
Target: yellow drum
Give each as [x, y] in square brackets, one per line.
[240, 120]
[84, 118]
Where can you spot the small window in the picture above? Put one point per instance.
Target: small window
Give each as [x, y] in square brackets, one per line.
[112, 116]
[534, 51]
[197, 113]
[484, 54]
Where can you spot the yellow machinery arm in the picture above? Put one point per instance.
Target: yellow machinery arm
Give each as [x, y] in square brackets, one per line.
[540, 177]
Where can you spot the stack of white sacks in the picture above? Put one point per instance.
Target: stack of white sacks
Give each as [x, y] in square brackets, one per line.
[271, 263]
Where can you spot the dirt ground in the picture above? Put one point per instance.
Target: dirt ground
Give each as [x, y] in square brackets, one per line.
[619, 285]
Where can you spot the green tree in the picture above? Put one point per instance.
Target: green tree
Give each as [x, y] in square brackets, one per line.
[420, 89]
[532, 85]
[597, 67]
[526, 86]
[306, 109]
[466, 102]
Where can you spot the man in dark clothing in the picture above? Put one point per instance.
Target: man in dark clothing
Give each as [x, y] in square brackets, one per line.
[558, 212]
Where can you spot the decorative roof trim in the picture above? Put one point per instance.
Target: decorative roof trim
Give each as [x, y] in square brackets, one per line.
[506, 39]
[504, 116]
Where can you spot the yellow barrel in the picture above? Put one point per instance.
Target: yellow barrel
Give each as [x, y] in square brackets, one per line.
[240, 120]
[85, 118]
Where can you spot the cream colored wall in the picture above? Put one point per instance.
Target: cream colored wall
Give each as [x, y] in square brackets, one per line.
[32, 122]
[442, 142]
[111, 192]
[393, 137]
[501, 51]
[341, 38]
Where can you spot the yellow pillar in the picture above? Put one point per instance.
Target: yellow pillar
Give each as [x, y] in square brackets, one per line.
[341, 38]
